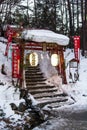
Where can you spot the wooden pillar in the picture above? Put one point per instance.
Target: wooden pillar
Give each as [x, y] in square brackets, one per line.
[62, 64]
[59, 65]
[21, 45]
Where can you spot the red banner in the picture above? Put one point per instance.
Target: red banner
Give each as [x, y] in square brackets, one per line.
[8, 43]
[15, 61]
[77, 47]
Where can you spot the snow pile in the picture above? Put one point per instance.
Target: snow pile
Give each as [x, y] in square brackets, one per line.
[45, 36]
[56, 81]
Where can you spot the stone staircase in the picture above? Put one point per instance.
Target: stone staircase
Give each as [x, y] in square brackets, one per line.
[45, 94]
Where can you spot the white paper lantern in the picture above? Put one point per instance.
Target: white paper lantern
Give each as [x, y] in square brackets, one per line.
[33, 58]
[54, 59]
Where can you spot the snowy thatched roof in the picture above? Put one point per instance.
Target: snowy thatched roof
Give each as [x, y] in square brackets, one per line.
[47, 36]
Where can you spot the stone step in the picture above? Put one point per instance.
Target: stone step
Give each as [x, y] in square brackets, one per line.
[35, 80]
[32, 70]
[39, 86]
[46, 95]
[59, 104]
[34, 83]
[33, 76]
[33, 73]
[35, 67]
[50, 101]
[36, 91]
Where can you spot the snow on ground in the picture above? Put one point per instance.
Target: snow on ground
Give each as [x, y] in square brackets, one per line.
[79, 89]
[9, 94]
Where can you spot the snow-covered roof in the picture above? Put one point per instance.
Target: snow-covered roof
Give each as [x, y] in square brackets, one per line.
[41, 35]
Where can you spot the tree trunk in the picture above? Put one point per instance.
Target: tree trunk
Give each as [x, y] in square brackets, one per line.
[70, 18]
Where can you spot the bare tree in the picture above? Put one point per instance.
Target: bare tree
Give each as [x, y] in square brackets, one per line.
[70, 17]
[6, 7]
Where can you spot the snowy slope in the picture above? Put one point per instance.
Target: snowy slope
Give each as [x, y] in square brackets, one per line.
[8, 93]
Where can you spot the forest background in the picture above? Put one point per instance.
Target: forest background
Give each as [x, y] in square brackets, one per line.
[68, 17]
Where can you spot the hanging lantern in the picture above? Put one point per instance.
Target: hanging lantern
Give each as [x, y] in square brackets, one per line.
[33, 58]
[54, 59]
